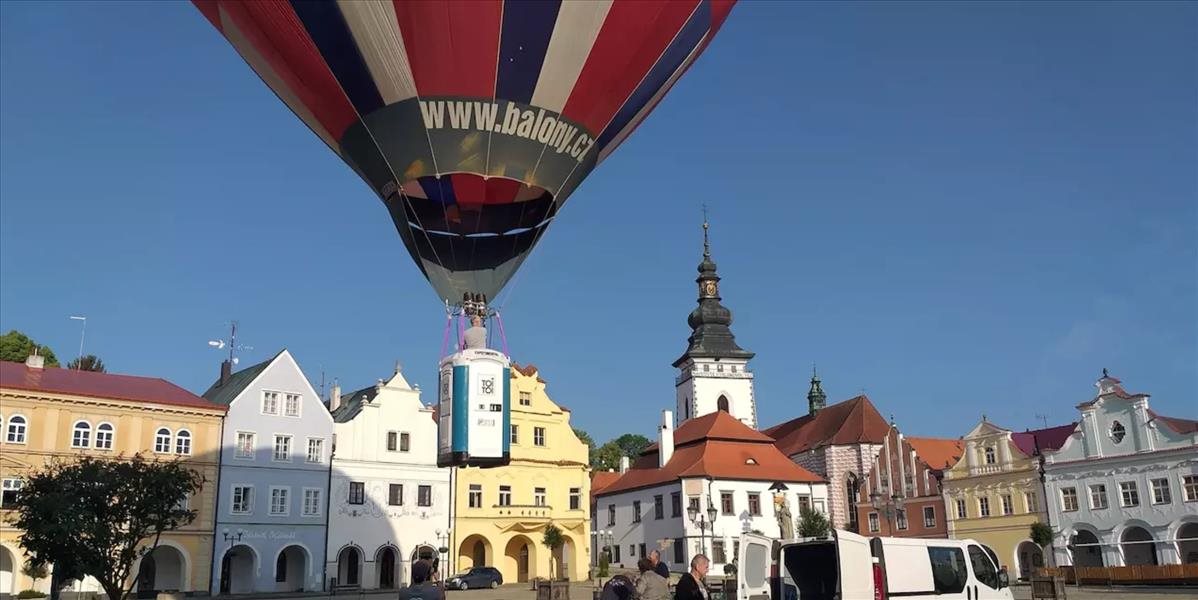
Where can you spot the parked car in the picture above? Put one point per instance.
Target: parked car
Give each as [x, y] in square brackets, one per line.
[478, 577]
[847, 566]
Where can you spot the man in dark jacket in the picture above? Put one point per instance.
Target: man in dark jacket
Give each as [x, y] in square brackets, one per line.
[424, 584]
[691, 586]
[659, 567]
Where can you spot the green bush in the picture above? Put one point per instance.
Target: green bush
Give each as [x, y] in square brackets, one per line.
[23, 595]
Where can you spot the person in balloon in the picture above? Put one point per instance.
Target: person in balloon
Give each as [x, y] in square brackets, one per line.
[476, 335]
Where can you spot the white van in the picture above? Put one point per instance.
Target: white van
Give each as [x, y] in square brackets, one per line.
[847, 566]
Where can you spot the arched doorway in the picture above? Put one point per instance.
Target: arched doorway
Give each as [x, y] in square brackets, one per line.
[1031, 557]
[7, 577]
[520, 558]
[426, 553]
[563, 557]
[237, 570]
[1138, 546]
[349, 566]
[475, 551]
[1086, 550]
[162, 570]
[291, 569]
[1187, 544]
[722, 403]
[385, 564]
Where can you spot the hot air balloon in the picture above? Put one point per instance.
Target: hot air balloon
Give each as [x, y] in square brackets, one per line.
[473, 120]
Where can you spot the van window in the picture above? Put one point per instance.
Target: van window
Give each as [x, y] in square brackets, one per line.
[757, 564]
[983, 569]
[814, 569]
[949, 572]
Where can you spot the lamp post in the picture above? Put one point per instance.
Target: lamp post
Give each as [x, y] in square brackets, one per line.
[443, 548]
[703, 519]
[887, 506]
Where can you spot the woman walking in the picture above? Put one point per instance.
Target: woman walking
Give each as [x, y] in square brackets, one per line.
[650, 585]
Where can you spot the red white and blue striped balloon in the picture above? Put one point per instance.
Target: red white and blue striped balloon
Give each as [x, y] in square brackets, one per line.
[474, 120]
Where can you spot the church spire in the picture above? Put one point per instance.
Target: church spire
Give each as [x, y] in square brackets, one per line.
[816, 399]
[711, 335]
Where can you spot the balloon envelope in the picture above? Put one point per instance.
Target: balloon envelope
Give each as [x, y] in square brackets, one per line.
[473, 120]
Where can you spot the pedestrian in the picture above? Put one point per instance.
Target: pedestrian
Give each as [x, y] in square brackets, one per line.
[424, 584]
[692, 586]
[659, 566]
[650, 585]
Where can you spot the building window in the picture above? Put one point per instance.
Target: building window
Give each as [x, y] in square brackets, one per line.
[961, 514]
[726, 506]
[104, 433]
[162, 440]
[291, 405]
[270, 403]
[611, 514]
[505, 495]
[875, 525]
[243, 500]
[515, 434]
[9, 489]
[642, 550]
[357, 492]
[245, 444]
[16, 429]
[676, 504]
[1161, 494]
[631, 550]
[575, 498]
[182, 442]
[679, 551]
[616, 549]
[984, 506]
[717, 552]
[315, 450]
[538, 436]
[755, 504]
[1117, 432]
[929, 517]
[733, 368]
[538, 496]
[804, 503]
[476, 495]
[706, 367]
[395, 494]
[1068, 499]
[311, 502]
[900, 518]
[424, 495]
[719, 368]
[405, 442]
[819, 507]
[990, 455]
[1189, 484]
[282, 448]
[279, 497]
[392, 441]
[636, 511]
[1032, 502]
[659, 507]
[1008, 507]
[1098, 498]
[81, 438]
[525, 398]
[1129, 493]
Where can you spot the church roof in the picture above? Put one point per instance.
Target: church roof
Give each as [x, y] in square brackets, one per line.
[710, 322]
[937, 453]
[854, 421]
[718, 446]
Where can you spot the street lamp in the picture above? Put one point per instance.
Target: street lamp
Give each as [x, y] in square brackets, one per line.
[887, 506]
[703, 519]
[443, 548]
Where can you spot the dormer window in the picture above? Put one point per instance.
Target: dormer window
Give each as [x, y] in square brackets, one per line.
[750, 461]
[1117, 432]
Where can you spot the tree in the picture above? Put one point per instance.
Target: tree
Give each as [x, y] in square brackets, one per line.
[553, 540]
[88, 362]
[35, 572]
[631, 444]
[1041, 535]
[813, 523]
[607, 457]
[592, 449]
[97, 517]
[16, 347]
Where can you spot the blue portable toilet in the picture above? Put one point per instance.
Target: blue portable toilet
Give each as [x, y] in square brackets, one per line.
[474, 409]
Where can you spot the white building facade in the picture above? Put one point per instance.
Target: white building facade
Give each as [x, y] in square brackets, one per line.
[1123, 489]
[389, 501]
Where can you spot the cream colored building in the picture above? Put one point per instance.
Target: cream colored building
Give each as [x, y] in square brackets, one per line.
[500, 514]
[54, 413]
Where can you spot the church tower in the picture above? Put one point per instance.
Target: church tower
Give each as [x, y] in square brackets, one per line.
[713, 373]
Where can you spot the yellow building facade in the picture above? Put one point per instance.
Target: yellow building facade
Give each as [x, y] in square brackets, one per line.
[993, 493]
[55, 414]
[500, 514]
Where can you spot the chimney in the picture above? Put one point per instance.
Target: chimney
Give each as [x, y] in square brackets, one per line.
[335, 396]
[226, 371]
[665, 439]
[623, 464]
[35, 361]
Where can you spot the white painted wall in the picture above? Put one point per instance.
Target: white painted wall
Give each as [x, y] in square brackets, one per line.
[701, 382]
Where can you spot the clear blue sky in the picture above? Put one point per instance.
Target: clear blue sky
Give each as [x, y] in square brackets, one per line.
[960, 208]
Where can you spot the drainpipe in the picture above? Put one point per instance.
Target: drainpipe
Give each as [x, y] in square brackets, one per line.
[328, 503]
[216, 515]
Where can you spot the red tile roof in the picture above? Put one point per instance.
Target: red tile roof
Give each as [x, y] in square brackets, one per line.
[937, 453]
[1051, 438]
[717, 446]
[1176, 424]
[853, 421]
[110, 386]
[600, 480]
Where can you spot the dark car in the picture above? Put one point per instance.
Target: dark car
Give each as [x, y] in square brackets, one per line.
[478, 577]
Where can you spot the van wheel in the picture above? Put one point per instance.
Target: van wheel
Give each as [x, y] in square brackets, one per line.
[494, 584]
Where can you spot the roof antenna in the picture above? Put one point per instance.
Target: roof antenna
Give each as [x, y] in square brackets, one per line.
[1044, 419]
[232, 343]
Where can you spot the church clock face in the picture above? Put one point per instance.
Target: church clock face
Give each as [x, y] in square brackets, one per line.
[708, 288]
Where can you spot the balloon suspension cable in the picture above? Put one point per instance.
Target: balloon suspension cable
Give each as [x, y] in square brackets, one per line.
[502, 335]
[448, 326]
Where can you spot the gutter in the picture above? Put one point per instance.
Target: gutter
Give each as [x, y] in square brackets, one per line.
[328, 503]
[216, 515]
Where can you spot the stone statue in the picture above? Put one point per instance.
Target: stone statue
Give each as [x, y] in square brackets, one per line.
[786, 525]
